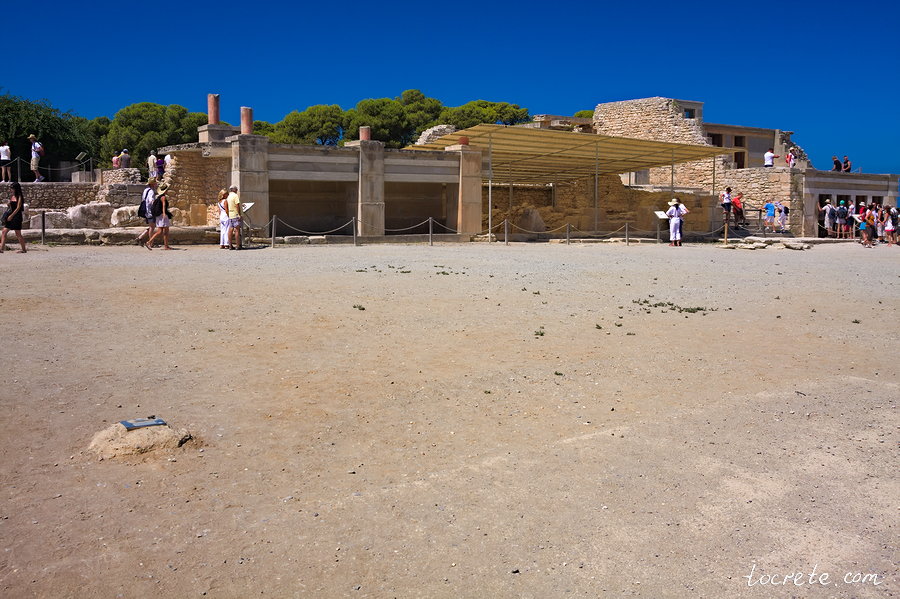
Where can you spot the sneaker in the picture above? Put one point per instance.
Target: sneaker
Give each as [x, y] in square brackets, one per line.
[40, 179]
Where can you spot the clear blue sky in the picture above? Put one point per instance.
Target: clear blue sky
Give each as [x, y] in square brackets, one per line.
[830, 71]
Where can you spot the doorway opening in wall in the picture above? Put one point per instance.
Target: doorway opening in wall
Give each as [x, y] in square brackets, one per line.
[861, 201]
[716, 139]
[879, 200]
[822, 231]
[740, 160]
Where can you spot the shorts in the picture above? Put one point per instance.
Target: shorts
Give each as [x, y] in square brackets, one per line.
[151, 221]
[769, 218]
[35, 161]
[5, 162]
[726, 206]
[234, 222]
[829, 223]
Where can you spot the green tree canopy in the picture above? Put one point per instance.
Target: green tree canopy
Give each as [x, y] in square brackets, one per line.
[584, 114]
[146, 126]
[421, 112]
[62, 134]
[385, 116]
[481, 111]
[320, 124]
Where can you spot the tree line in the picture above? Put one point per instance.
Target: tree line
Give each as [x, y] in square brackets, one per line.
[145, 126]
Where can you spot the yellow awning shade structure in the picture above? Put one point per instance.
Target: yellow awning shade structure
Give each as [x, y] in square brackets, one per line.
[536, 156]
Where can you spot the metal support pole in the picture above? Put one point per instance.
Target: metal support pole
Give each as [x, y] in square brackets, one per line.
[44, 225]
[19, 169]
[353, 222]
[672, 179]
[657, 230]
[506, 231]
[568, 226]
[626, 234]
[596, 188]
[726, 229]
[490, 209]
[430, 238]
[714, 177]
[274, 218]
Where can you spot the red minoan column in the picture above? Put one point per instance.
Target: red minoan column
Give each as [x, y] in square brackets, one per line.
[246, 120]
[212, 108]
[365, 133]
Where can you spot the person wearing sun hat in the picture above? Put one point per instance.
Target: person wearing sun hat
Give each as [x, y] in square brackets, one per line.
[37, 150]
[674, 213]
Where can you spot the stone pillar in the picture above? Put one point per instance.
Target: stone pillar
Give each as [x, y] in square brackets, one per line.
[365, 133]
[370, 207]
[212, 109]
[246, 120]
[250, 172]
[468, 206]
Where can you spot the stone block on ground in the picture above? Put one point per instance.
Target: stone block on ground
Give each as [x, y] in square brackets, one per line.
[126, 216]
[296, 239]
[53, 220]
[94, 215]
[117, 441]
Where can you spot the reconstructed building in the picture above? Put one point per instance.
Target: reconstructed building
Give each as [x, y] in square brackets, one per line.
[803, 188]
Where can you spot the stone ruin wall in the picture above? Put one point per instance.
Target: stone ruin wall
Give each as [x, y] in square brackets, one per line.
[575, 205]
[662, 119]
[195, 182]
[120, 175]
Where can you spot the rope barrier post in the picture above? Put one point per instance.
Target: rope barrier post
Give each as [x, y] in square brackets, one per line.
[19, 169]
[568, 226]
[726, 228]
[506, 231]
[626, 234]
[353, 222]
[43, 225]
[430, 231]
[274, 218]
[657, 230]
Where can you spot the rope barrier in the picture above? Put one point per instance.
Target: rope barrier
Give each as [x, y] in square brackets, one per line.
[454, 231]
[538, 232]
[344, 226]
[424, 222]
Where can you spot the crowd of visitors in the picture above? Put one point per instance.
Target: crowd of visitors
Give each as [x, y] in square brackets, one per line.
[875, 223]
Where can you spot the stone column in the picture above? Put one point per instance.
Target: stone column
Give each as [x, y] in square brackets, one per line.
[246, 120]
[250, 172]
[370, 207]
[468, 206]
[212, 109]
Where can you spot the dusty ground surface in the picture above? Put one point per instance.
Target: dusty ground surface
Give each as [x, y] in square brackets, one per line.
[482, 428]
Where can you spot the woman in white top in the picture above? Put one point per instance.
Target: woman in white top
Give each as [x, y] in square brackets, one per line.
[5, 160]
[674, 213]
[223, 219]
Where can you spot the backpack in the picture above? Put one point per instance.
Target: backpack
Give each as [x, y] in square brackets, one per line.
[842, 212]
[786, 210]
[156, 209]
[40, 149]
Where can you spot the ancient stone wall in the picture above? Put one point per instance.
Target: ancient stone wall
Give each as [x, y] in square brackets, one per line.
[574, 204]
[662, 119]
[121, 175]
[195, 182]
[54, 196]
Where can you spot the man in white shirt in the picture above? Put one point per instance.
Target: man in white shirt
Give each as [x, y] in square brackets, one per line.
[37, 150]
[769, 157]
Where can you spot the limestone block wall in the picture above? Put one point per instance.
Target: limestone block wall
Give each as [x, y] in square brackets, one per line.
[618, 204]
[121, 175]
[54, 196]
[194, 183]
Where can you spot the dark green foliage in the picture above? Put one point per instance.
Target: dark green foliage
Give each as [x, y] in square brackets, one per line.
[62, 134]
[584, 114]
[144, 127]
[320, 124]
[481, 111]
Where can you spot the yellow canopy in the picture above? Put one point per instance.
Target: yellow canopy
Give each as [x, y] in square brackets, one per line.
[530, 155]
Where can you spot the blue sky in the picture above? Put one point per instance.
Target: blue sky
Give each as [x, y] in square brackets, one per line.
[829, 71]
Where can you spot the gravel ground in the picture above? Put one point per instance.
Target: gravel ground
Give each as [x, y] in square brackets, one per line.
[463, 420]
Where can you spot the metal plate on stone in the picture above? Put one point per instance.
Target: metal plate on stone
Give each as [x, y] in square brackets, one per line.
[141, 423]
